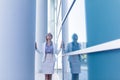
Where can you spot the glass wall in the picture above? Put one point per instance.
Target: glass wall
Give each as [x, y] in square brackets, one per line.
[77, 25]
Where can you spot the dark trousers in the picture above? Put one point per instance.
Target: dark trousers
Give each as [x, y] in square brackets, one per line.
[75, 76]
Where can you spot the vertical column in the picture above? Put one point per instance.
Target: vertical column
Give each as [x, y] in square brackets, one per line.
[103, 25]
[17, 39]
[65, 39]
[41, 29]
[51, 17]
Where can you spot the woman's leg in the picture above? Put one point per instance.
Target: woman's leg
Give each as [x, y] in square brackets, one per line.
[46, 77]
[50, 77]
[75, 76]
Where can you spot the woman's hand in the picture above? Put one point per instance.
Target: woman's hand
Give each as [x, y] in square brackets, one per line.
[62, 45]
[35, 45]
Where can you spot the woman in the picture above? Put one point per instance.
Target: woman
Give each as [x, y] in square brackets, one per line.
[74, 60]
[49, 52]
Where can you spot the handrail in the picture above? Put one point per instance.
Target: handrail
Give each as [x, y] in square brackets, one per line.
[65, 17]
[111, 45]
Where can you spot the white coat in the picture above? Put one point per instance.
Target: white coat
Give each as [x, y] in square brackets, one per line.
[74, 60]
[48, 60]
[55, 52]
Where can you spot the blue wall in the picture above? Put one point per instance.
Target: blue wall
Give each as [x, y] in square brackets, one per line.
[103, 24]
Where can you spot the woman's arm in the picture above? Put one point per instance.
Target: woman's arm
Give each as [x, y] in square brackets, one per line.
[57, 51]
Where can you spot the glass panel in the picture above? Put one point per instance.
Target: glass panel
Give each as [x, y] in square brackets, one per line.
[72, 66]
[75, 24]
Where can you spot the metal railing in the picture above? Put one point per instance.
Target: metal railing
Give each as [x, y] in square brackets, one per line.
[111, 45]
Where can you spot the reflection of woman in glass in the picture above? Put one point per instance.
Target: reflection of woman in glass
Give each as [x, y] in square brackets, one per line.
[74, 60]
[48, 62]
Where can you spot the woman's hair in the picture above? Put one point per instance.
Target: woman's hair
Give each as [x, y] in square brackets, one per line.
[49, 34]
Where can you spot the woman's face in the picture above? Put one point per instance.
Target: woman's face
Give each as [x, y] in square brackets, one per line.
[75, 37]
[49, 37]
